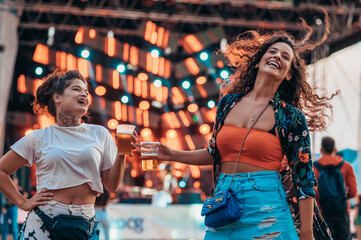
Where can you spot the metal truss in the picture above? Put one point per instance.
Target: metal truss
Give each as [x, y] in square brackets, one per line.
[182, 17]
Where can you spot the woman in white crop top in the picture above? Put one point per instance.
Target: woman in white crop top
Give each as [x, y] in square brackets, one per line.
[73, 160]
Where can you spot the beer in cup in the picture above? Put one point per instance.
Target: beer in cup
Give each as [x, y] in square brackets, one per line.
[148, 151]
[124, 138]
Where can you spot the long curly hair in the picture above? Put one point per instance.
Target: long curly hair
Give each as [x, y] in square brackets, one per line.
[246, 52]
[55, 82]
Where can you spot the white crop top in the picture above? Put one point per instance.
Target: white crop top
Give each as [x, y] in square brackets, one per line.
[68, 156]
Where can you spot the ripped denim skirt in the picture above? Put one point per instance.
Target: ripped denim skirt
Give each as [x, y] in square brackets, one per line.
[265, 213]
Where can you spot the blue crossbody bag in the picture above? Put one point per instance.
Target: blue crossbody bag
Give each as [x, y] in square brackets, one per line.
[223, 208]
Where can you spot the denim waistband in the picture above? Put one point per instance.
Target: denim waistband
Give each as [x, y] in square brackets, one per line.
[70, 206]
[250, 175]
[53, 208]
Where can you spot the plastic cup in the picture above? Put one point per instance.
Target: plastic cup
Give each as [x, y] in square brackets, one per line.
[124, 138]
[149, 151]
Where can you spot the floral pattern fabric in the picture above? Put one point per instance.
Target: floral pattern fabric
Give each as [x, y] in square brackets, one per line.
[298, 176]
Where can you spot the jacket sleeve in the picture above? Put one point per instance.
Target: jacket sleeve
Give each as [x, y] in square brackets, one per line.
[299, 157]
[351, 183]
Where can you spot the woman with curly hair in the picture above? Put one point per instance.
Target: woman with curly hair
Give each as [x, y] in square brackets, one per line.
[73, 161]
[269, 92]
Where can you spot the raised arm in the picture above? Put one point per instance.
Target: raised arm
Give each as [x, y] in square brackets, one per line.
[9, 163]
[195, 157]
[112, 177]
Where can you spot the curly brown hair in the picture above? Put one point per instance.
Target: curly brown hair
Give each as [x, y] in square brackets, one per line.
[55, 82]
[246, 52]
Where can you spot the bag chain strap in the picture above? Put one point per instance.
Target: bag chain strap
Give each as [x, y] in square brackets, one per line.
[244, 139]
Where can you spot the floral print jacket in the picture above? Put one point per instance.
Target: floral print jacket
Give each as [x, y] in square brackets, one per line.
[294, 137]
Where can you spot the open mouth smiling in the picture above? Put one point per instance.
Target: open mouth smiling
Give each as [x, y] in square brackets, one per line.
[274, 64]
[83, 101]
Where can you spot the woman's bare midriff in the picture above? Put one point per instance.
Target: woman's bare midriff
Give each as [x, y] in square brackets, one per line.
[78, 195]
[228, 167]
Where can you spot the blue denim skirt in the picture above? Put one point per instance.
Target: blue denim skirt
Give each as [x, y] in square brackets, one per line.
[265, 213]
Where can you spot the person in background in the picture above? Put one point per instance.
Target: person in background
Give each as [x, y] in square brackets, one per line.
[10, 213]
[73, 159]
[269, 82]
[336, 217]
[161, 198]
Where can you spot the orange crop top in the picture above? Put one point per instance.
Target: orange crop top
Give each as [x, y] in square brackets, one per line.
[260, 149]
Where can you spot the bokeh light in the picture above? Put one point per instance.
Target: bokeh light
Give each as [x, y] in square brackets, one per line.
[85, 53]
[124, 99]
[39, 71]
[144, 105]
[186, 84]
[121, 68]
[100, 90]
[157, 82]
[192, 107]
[204, 128]
[171, 133]
[112, 124]
[146, 132]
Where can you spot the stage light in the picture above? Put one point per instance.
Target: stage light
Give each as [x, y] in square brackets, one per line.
[157, 83]
[125, 99]
[204, 129]
[51, 33]
[186, 84]
[195, 118]
[154, 53]
[85, 53]
[157, 104]
[121, 68]
[201, 80]
[196, 184]
[182, 184]
[112, 124]
[146, 132]
[204, 56]
[192, 107]
[224, 74]
[167, 51]
[100, 91]
[177, 173]
[211, 104]
[143, 76]
[144, 105]
[220, 64]
[171, 133]
[110, 34]
[39, 71]
[92, 33]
